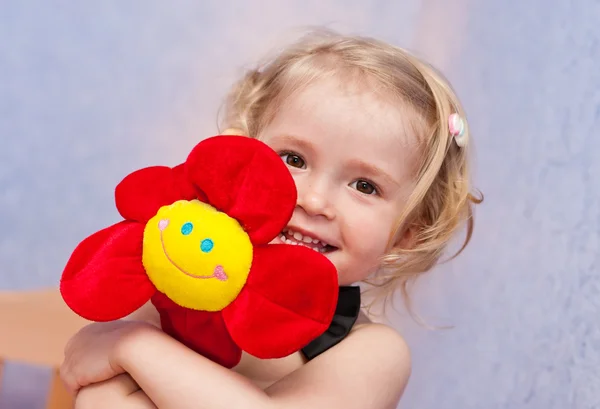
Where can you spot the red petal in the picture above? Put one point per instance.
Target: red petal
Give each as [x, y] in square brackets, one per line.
[104, 279]
[246, 179]
[201, 331]
[140, 194]
[289, 300]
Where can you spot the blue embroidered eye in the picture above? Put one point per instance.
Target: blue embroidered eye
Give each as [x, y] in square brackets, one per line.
[187, 228]
[206, 245]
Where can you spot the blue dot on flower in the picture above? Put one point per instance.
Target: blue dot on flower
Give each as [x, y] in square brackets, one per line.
[206, 245]
[187, 228]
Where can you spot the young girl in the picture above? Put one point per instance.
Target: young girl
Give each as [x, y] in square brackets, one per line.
[377, 144]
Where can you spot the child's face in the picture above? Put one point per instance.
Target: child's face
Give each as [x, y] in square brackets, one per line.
[351, 160]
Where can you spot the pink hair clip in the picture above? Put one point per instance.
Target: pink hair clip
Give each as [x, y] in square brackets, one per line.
[457, 130]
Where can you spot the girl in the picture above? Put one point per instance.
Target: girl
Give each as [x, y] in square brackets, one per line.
[376, 142]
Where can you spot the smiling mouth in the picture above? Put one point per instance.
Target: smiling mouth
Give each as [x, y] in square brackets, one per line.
[298, 239]
[218, 273]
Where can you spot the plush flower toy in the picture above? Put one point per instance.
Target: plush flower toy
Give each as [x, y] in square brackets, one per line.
[195, 242]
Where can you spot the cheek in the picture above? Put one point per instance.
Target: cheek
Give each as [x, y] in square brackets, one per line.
[370, 236]
[297, 177]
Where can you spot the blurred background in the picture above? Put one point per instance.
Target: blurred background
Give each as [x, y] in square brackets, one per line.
[90, 91]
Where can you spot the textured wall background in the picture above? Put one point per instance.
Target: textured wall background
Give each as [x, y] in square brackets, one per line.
[525, 297]
[91, 92]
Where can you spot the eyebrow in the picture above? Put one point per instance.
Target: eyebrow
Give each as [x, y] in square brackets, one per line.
[291, 139]
[370, 169]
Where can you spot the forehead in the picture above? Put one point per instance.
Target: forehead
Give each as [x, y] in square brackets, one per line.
[351, 117]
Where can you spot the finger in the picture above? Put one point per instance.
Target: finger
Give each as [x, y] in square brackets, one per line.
[68, 346]
[67, 378]
[73, 338]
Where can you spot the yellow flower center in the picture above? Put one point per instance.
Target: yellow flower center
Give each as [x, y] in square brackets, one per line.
[197, 256]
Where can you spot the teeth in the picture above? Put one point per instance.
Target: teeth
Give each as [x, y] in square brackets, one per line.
[300, 237]
[299, 240]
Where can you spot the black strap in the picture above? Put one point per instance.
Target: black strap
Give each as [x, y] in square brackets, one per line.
[346, 313]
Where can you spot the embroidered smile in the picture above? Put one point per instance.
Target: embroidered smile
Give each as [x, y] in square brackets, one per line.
[206, 246]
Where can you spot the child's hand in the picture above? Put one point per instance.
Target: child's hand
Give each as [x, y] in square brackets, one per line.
[91, 356]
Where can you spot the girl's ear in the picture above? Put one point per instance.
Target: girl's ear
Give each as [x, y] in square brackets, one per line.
[233, 131]
[408, 237]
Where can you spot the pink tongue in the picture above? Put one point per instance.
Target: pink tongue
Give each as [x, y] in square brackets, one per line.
[163, 224]
[220, 273]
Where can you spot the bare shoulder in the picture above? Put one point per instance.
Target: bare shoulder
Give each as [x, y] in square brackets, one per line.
[369, 369]
[381, 346]
[380, 334]
[387, 339]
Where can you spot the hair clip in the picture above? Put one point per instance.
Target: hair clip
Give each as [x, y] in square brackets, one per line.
[457, 130]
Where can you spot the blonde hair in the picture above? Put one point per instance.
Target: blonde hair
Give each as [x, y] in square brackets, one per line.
[441, 202]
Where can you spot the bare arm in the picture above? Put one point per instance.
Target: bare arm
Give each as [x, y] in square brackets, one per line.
[368, 370]
[120, 392]
[146, 313]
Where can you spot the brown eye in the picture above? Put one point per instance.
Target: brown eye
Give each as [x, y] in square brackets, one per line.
[293, 160]
[365, 187]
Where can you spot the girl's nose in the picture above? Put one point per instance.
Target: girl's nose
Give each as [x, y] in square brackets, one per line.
[315, 200]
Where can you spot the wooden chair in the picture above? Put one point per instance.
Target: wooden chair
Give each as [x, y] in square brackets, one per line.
[34, 328]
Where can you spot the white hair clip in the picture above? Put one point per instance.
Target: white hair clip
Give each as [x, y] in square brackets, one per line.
[457, 130]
